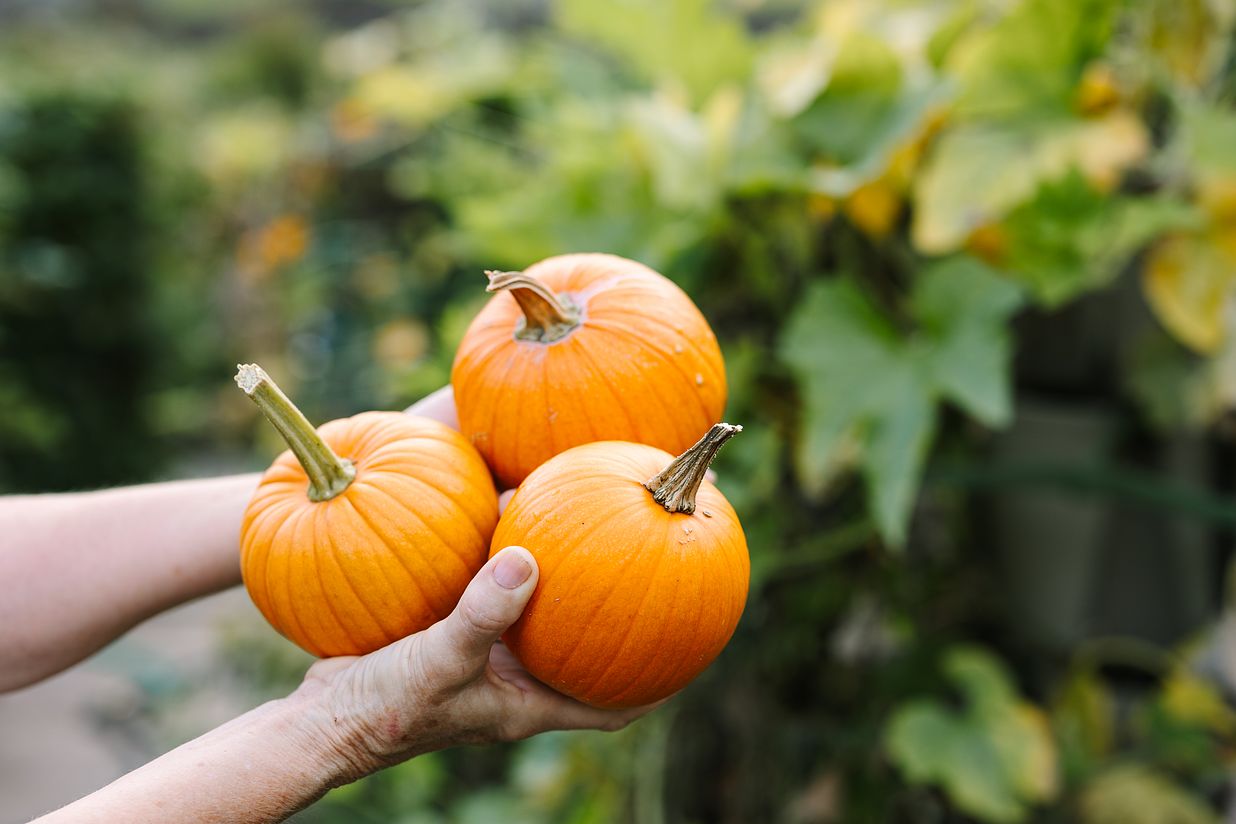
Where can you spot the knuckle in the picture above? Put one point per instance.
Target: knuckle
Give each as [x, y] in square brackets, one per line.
[513, 728]
[433, 676]
[480, 617]
[616, 724]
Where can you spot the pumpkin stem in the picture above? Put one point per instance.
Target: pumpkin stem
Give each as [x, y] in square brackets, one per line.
[328, 473]
[675, 486]
[547, 317]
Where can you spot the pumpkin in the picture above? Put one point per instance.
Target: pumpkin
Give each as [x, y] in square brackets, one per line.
[643, 570]
[364, 531]
[581, 348]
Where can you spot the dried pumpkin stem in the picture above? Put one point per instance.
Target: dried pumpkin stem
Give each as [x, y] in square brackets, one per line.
[328, 473]
[547, 317]
[675, 486]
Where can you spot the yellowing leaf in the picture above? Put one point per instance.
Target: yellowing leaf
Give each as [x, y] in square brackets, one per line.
[791, 77]
[1099, 90]
[1216, 194]
[245, 144]
[994, 757]
[989, 243]
[1188, 282]
[405, 94]
[874, 208]
[1085, 716]
[1102, 148]
[1134, 794]
[977, 173]
[1190, 699]
[1023, 739]
[415, 93]
[1189, 37]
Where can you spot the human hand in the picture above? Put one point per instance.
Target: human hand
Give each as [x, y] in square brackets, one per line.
[451, 684]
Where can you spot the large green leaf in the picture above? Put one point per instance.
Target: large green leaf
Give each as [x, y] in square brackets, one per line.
[963, 307]
[1029, 61]
[850, 368]
[870, 393]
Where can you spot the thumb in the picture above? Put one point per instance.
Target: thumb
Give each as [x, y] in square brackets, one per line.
[460, 643]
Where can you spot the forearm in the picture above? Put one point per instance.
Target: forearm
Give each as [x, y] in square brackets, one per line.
[263, 766]
[85, 567]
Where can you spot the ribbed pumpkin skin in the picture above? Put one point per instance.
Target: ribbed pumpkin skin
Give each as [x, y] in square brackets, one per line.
[643, 366]
[633, 602]
[387, 557]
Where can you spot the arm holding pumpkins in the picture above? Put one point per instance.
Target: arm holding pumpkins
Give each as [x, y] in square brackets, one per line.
[90, 566]
[450, 684]
[120, 556]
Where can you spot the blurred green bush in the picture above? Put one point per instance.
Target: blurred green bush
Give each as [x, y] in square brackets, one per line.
[972, 264]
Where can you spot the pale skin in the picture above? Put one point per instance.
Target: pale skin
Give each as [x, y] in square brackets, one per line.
[121, 556]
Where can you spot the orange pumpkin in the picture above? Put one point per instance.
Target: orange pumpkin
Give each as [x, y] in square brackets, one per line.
[582, 348]
[644, 570]
[344, 555]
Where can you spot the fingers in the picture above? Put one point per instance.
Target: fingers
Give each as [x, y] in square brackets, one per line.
[439, 405]
[539, 708]
[458, 646]
[548, 710]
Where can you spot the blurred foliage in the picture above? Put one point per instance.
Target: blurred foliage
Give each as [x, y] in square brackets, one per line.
[74, 299]
[972, 264]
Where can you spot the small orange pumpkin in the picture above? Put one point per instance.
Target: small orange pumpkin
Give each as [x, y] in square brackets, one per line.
[644, 570]
[582, 348]
[344, 555]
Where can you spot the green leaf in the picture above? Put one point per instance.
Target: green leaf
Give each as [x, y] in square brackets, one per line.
[847, 360]
[964, 306]
[986, 685]
[900, 433]
[859, 102]
[1069, 237]
[688, 42]
[934, 746]
[1167, 382]
[1030, 61]
[870, 393]
[993, 757]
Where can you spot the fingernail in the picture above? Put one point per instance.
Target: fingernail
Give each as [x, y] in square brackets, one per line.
[512, 570]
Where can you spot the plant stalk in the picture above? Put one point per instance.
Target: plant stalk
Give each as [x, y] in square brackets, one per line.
[547, 317]
[328, 474]
[675, 486]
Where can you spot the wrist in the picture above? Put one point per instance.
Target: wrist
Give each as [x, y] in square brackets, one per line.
[331, 730]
